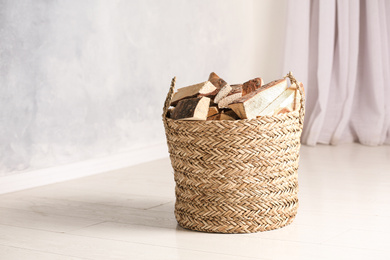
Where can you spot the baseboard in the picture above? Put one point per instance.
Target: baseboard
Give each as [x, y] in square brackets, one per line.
[36, 178]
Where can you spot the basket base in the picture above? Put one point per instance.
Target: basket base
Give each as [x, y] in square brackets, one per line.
[259, 224]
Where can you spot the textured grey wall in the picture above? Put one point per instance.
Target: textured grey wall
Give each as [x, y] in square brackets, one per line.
[84, 79]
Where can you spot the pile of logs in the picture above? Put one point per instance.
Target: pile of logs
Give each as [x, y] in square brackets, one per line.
[215, 99]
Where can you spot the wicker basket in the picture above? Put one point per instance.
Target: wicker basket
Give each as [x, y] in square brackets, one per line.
[235, 176]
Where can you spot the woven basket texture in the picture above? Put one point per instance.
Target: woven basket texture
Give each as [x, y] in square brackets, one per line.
[235, 176]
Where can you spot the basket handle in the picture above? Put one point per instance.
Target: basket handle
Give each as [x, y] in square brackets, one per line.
[302, 101]
[169, 98]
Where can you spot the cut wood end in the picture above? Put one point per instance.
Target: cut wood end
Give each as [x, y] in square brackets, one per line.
[210, 95]
[225, 102]
[192, 109]
[192, 91]
[222, 93]
[284, 100]
[212, 111]
[208, 87]
[214, 117]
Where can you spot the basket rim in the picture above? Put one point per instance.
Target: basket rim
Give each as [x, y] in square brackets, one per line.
[294, 113]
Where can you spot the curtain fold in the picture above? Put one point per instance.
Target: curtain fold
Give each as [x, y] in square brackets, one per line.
[340, 50]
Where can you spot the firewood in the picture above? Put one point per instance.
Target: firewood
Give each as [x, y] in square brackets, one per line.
[225, 90]
[229, 115]
[192, 91]
[233, 95]
[209, 95]
[236, 88]
[250, 105]
[251, 85]
[212, 111]
[284, 100]
[225, 102]
[214, 117]
[192, 109]
[216, 81]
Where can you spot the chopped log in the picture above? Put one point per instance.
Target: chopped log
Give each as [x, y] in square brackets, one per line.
[210, 95]
[216, 81]
[192, 109]
[250, 105]
[284, 100]
[251, 85]
[192, 91]
[214, 117]
[236, 88]
[225, 102]
[233, 95]
[225, 90]
[229, 115]
[212, 111]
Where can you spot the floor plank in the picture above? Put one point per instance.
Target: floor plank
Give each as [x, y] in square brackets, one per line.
[92, 211]
[43, 220]
[96, 248]
[15, 253]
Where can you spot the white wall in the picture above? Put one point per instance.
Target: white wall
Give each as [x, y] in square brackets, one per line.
[87, 79]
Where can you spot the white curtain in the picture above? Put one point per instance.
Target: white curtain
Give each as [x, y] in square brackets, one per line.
[340, 50]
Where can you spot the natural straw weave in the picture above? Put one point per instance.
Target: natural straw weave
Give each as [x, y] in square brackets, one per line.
[235, 176]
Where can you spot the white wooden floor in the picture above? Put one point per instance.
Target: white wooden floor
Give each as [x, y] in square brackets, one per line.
[128, 214]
